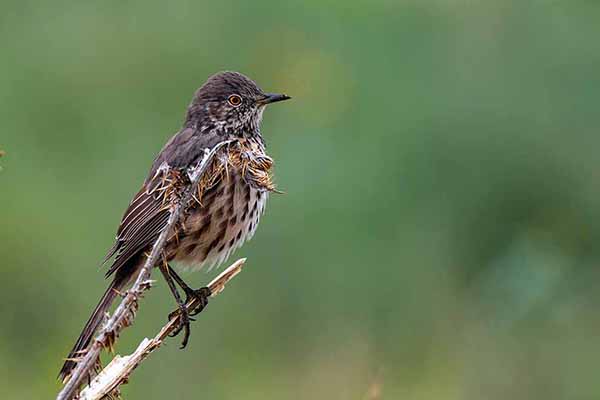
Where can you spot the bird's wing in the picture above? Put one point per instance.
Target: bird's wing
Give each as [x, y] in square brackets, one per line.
[148, 212]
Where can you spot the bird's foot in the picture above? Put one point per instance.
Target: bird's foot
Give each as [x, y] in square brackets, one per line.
[184, 314]
[182, 324]
[201, 295]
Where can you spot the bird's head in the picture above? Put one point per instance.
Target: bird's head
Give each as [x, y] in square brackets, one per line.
[230, 103]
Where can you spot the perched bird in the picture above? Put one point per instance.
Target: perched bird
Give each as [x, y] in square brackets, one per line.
[227, 205]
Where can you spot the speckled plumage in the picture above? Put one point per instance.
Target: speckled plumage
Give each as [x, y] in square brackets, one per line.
[223, 217]
[230, 198]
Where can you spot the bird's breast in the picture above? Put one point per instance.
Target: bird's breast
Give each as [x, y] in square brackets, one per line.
[224, 218]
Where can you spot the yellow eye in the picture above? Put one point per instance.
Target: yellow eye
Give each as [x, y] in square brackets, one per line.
[234, 100]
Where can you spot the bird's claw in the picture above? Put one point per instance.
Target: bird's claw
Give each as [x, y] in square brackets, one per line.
[201, 295]
[183, 324]
[185, 318]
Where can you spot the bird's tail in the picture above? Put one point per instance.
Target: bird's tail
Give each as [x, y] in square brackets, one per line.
[91, 326]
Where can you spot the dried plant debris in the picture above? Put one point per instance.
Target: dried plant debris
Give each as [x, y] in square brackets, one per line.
[243, 155]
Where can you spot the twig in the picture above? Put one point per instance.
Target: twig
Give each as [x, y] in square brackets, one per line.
[125, 312]
[118, 370]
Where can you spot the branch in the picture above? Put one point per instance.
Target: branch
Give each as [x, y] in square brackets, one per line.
[125, 312]
[118, 370]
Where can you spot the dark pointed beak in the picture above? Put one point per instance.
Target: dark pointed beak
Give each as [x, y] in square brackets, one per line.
[273, 98]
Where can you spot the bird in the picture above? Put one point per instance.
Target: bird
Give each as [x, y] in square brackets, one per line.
[226, 207]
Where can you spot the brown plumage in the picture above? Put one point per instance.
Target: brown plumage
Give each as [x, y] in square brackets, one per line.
[228, 203]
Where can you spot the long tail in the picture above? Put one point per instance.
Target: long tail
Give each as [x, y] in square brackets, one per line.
[91, 326]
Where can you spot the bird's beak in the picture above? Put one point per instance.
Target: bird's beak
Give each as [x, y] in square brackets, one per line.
[273, 98]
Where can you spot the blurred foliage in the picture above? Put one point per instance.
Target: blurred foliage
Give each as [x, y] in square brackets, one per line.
[440, 233]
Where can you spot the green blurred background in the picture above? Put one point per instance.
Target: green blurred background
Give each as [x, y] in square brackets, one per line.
[440, 233]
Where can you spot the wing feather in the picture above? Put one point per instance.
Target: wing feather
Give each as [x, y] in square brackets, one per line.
[141, 205]
[141, 225]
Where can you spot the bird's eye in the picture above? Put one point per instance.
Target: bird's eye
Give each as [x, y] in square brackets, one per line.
[234, 100]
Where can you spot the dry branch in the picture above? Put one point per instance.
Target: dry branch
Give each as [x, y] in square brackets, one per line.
[118, 370]
[125, 311]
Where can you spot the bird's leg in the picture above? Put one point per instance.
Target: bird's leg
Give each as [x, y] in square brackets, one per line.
[184, 315]
[201, 294]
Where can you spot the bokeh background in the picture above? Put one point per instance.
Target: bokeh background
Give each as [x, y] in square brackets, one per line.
[440, 233]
